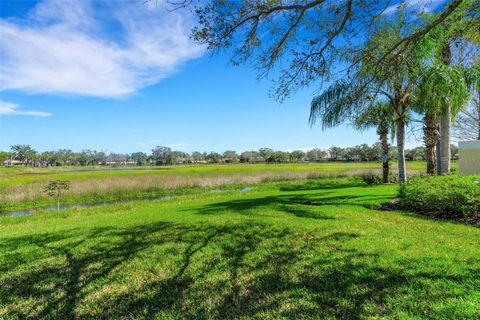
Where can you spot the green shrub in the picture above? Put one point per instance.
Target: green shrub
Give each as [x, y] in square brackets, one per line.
[371, 178]
[450, 196]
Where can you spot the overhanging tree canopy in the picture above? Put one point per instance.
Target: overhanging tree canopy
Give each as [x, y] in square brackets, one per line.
[303, 40]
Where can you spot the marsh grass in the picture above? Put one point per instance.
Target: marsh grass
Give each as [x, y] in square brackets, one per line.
[21, 188]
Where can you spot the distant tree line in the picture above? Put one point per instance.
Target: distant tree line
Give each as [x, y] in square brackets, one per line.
[25, 155]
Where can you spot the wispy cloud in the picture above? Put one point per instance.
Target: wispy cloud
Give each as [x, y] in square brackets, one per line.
[103, 49]
[417, 5]
[11, 109]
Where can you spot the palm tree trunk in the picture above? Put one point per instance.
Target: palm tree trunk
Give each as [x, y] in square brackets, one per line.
[402, 170]
[383, 133]
[445, 153]
[478, 114]
[445, 121]
[438, 154]
[430, 136]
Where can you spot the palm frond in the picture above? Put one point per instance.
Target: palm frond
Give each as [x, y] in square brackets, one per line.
[377, 114]
[337, 103]
[444, 85]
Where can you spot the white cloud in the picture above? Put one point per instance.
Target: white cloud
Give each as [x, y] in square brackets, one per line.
[103, 49]
[11, 109]
[416, 5]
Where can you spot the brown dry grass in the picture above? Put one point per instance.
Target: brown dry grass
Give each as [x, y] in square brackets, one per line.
[146, 182]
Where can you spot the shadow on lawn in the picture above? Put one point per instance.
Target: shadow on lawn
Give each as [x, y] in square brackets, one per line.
[300, 205]
[247, 269]
[319, 184]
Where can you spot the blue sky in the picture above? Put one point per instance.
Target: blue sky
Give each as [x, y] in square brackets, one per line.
[71, 78]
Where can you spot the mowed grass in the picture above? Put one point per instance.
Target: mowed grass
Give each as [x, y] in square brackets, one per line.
[21, 188]
[310, 249]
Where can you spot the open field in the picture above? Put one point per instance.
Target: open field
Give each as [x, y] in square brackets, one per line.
[311, 249]
[21, 188]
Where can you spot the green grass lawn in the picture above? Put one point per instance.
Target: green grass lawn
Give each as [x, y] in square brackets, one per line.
[311, 249]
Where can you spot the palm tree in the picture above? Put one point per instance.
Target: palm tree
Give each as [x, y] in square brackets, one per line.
[346, 98]
[431, 136]
[431, 132]
[400, 102]
[394, 82]
[379, 116]
[356, 102]
[445, 121]
[442, 90]
[462, 25]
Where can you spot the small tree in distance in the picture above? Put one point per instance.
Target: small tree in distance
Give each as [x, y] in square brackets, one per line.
[55, 188]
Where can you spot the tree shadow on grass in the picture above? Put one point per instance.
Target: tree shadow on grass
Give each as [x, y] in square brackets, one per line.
[278, 203]
[248, 269]
[321, 184]
[60, 280]
[301, 205]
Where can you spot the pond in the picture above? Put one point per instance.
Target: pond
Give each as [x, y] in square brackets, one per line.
[30, 212]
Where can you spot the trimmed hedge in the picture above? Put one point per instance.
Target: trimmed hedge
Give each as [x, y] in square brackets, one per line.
[451, 196]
